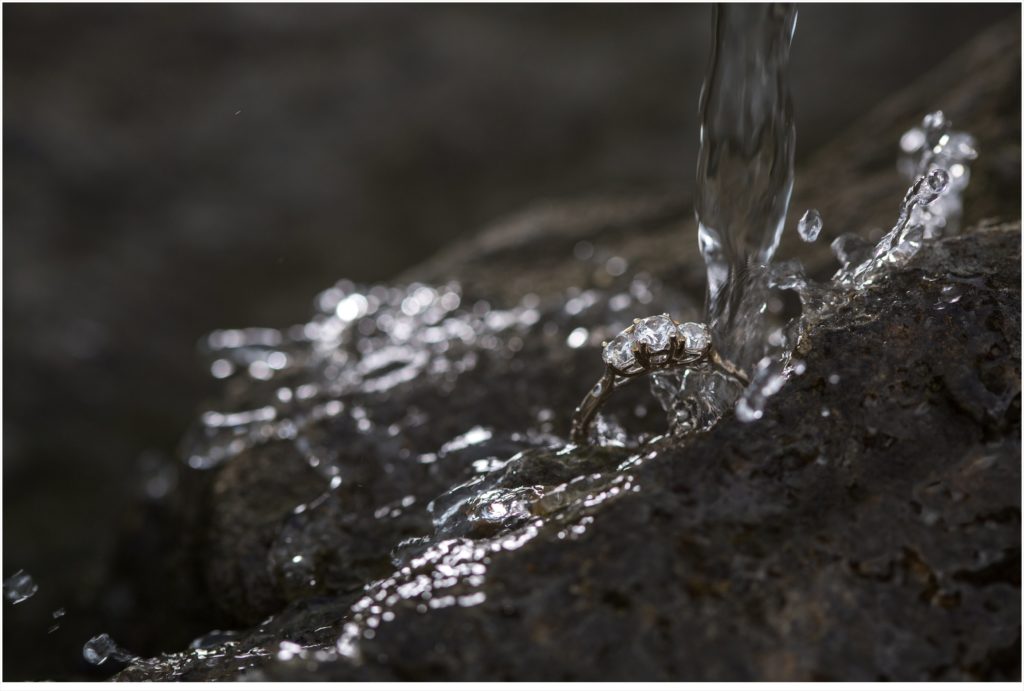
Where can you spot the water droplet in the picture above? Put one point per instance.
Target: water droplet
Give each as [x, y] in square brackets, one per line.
[19, 587]
[937, 181]
[221, 369]
[288, 650]
[583, 250]
[101, 648]
[810, 225]
[577, 338]
[616, 266]
[935, 121]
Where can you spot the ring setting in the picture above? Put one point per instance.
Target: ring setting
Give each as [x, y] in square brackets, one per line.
[655, 343]
[648, 345]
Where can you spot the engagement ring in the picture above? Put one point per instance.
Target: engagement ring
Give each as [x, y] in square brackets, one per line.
[648, 345]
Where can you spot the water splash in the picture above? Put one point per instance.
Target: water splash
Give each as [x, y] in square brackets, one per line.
[935, 144]
[922, 216]
[937, 159]
[915, 223]
[361, 340]
[101, 648]
[744, 182]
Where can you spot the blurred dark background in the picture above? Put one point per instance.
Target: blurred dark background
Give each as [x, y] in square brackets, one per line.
[169, 170]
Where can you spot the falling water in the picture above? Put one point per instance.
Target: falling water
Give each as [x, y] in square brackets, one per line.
[745, 167]
[744, 183]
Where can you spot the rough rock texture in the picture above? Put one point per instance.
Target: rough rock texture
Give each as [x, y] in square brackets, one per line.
[867, 527]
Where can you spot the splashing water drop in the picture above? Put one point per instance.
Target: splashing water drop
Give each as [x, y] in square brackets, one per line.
[917, 220]
[19, 587]
[101, 648]
[810, 225]
[936, 182]
[934, 144]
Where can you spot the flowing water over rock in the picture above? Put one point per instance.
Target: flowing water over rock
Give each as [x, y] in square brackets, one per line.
[344, 557]
[367, 481]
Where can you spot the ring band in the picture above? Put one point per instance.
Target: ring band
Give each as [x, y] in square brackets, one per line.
[648, 345]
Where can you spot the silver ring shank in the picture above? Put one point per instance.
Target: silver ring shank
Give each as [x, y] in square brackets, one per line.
[588, 408]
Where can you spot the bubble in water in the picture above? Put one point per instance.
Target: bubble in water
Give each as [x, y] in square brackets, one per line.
[101, 648]
[809, 226]
[937, 181]
[19, 587]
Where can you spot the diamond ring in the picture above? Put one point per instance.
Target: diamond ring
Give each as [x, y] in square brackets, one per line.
[648, 345]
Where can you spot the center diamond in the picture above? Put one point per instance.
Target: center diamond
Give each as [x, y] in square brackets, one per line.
[655, 332]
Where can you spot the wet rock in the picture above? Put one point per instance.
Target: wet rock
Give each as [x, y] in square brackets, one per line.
[438, 527]
[866, 527]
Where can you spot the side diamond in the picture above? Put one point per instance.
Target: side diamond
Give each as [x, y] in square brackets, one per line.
[695, 336]
[619, 351]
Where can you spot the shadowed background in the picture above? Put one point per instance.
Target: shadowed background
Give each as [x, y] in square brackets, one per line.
[174, 169]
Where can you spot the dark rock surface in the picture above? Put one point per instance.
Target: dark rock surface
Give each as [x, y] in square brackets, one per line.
[868, 527]
[736, 556]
